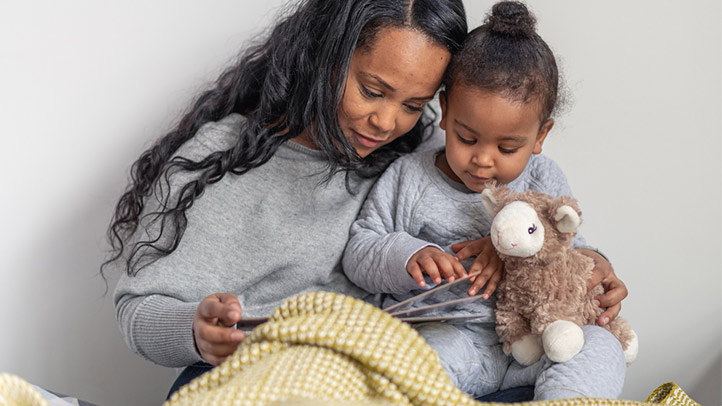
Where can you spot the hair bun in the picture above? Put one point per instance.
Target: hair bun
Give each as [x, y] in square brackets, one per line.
[511, 18]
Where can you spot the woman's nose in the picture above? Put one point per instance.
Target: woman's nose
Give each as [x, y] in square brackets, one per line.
[384, 119]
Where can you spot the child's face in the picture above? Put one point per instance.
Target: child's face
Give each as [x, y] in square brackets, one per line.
[488, 137]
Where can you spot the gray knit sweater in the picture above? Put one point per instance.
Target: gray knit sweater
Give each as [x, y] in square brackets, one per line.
[266, 235]
[414, 205]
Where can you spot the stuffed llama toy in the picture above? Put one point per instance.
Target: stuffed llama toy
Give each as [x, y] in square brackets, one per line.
[542, 300]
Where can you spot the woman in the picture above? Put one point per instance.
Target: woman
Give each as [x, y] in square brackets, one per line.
[254, 191]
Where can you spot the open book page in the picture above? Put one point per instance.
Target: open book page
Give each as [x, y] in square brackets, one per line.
[404, 310]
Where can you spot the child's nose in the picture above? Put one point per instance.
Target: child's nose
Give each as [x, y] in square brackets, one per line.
[483, 158]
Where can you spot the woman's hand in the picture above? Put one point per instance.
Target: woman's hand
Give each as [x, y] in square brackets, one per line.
[487, 264]
[435, 263]
[213, 331]
[614, 289]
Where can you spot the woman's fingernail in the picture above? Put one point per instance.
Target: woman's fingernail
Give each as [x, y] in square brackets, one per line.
[596, 302]
[237, 336]
[605, 320]
[234, 315]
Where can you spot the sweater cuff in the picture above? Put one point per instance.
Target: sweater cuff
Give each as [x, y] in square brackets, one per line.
[163, 329]
[597, 251]
[398, 256]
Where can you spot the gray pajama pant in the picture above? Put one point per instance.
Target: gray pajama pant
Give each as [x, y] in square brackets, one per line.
[478, 368]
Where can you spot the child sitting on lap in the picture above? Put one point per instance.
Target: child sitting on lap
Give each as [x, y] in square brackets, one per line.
[500, 92]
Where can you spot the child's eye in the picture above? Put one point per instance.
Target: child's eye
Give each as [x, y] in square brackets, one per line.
[368, 93]
[508, 150]
[466, 141]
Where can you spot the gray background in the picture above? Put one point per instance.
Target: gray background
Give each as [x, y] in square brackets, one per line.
[86, 86]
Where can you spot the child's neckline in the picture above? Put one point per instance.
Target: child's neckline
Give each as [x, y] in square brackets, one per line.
[448, 181]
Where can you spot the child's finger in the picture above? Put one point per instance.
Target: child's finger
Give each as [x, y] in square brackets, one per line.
[415, 271]
[491, 285]
[469, 250]
[446, 268]
[479, 283]
[429, 266]
[460, 245]
[480, 263]
[458, 268]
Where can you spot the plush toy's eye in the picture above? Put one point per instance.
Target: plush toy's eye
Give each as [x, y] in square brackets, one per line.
[532, 229]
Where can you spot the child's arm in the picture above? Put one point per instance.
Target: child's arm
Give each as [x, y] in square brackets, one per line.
[382, 243]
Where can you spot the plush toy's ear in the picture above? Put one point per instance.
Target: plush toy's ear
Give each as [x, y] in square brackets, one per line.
[489, 201]
[568, 220]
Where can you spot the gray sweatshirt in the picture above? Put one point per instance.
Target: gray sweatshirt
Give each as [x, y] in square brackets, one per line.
[414, 205]
[266, 235]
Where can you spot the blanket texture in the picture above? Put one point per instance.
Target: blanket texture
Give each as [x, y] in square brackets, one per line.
[324, 348]
[329, 349]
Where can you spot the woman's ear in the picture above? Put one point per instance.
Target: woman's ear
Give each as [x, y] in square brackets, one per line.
[442, 102]
[542, 135]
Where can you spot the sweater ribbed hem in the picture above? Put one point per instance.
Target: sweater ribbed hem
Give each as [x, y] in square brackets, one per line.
[164, 331]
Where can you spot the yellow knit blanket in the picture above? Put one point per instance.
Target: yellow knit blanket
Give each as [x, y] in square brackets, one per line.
[329, 349]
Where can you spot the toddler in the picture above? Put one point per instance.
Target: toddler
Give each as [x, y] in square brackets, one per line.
[499, 94]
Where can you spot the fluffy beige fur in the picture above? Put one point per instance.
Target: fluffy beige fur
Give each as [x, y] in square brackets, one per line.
[550, 285]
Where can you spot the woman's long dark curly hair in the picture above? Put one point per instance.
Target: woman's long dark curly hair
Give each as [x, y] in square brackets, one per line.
[292, 81]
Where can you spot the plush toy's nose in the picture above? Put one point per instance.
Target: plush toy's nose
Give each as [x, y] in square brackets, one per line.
[517, 230]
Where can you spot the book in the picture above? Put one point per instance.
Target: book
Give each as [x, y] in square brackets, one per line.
[401, 310]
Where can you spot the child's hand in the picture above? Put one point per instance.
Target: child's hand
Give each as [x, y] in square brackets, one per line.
[487, 264]
[614, 289]
[213, 331]
[435, 263]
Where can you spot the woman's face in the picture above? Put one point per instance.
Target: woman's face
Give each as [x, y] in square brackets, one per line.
[387, 87]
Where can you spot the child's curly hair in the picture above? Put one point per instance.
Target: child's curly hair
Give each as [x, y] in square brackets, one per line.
[505, 55]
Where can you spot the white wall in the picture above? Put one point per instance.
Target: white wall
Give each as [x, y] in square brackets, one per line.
[85, 86]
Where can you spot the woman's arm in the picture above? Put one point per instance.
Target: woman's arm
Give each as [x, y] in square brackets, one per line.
[614, 289]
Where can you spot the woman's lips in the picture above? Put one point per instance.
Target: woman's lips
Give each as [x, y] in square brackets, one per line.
[366, 141]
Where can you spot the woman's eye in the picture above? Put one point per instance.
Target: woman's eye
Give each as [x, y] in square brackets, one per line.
[368, 93]
[532, 229]
[415, 109]
[466, 141]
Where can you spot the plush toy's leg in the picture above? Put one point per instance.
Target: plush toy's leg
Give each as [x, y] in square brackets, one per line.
[597, 371]
[527, 350]
[624, 333]
[562, 340]
[630, 354]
